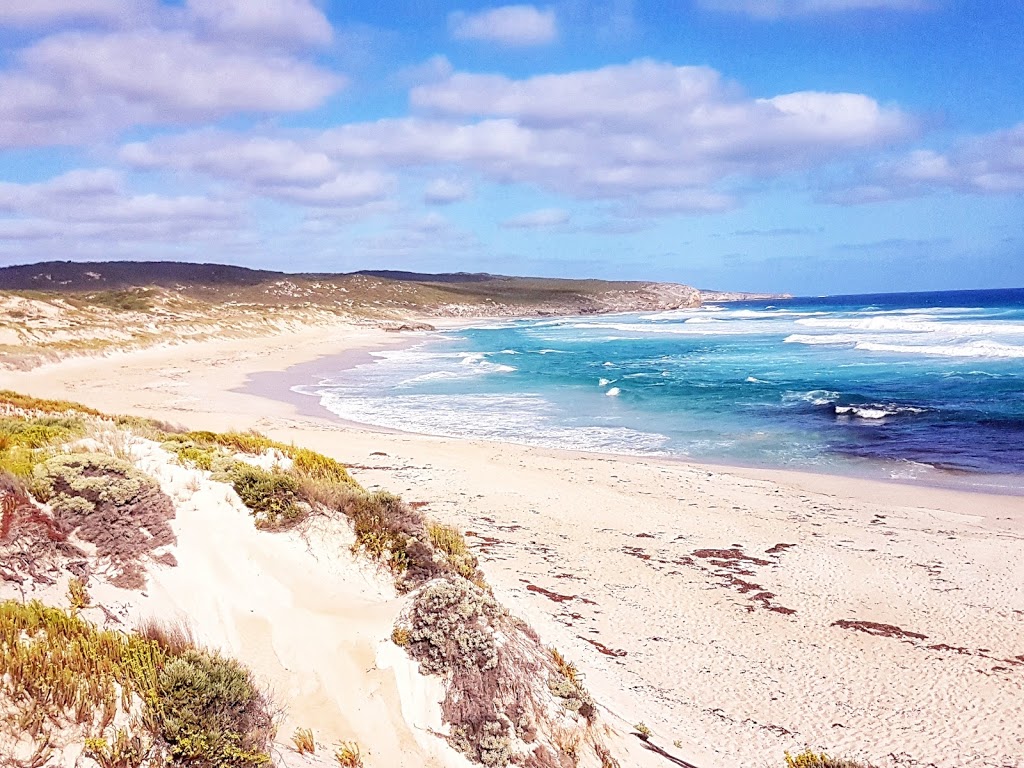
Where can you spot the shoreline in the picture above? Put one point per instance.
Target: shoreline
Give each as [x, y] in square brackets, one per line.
[276, 385]
[708, 602]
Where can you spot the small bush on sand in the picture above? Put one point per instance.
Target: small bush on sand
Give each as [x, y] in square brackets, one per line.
[567, 684]
[303, 741]
[809, 759]
[316, 466]
[451, 627]
[78, 596]
[643, 730]
[109, 503]
[272, 496]
[348, 755]
[190, 453]
[401, 636]
[38, 432]
[25, 442]
[211, 713]
[449, 540]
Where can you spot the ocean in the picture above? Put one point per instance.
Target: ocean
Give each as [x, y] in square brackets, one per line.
[925, 387]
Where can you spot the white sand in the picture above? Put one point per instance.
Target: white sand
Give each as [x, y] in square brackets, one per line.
[701, 657]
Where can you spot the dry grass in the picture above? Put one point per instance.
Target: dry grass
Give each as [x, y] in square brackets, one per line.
[809, 759]
[173, 637]
[29, 403]
[303, 741]
[348, 755]
[566, 668]
[78, 596]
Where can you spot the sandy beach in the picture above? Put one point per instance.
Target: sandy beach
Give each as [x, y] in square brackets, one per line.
[738, 613]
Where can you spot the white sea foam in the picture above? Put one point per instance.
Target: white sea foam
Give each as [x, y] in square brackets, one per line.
[876, 411]
[814, 397]
[518, 418]
[923, 323]
[613, 392]
[603, 382]
[990, 349]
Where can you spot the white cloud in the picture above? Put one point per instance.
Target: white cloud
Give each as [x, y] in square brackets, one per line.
[446, 191]
[278, 168]
[544, 218]
[78, 87]
[991, 163]
[40, 13]
[510, 25]
[89, 212]
[264, 21]
[437, 67]
[653, 138]
[773, 9]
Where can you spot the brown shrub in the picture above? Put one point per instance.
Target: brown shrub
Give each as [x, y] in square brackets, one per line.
[110, 504]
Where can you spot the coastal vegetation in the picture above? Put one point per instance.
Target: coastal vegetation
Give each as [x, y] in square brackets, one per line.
[184, 706]
[79, 509]
[52, 310]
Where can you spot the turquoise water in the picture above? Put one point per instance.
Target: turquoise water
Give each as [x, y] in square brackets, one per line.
[906, 386]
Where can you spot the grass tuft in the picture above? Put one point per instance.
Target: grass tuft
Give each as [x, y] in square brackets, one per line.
[78, 596]
[348, 756]
[303, 741]
[809, 759]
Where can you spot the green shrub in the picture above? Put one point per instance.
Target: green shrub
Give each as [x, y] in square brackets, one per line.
[449, 540]
[316, 466]
[272, 496]
[38, 432]
[211, 713]
[190, 453]
[198, 708]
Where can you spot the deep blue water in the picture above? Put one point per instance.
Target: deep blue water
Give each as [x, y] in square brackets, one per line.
[910, 386]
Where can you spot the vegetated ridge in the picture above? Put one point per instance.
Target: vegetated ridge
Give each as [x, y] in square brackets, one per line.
[368, 292]
[55, 309]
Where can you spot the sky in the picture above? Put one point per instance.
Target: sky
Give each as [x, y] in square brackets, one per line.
[808, 146]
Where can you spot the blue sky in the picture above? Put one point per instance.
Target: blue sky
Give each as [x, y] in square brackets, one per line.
[810, 146]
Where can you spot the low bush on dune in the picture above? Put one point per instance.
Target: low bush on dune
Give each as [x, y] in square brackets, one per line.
[25, 442]
[186, 707]
[498, 677]
[416, 550]
[272, 496]
[110, 504]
